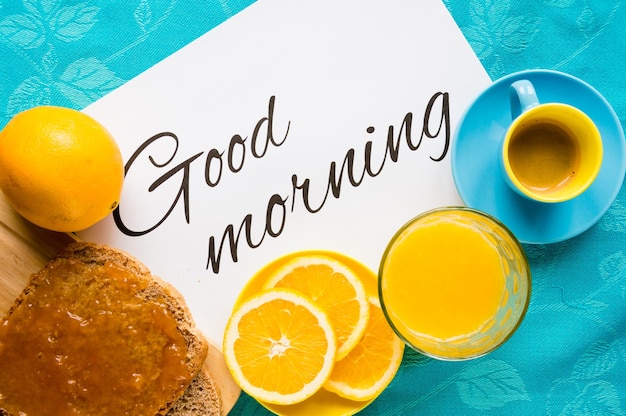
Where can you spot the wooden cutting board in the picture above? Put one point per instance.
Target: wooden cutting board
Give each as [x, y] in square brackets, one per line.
[26, 248]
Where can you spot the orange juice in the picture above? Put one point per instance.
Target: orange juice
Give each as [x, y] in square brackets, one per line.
[447, 282]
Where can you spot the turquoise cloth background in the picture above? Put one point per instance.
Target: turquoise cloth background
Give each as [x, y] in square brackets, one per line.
[569, 356]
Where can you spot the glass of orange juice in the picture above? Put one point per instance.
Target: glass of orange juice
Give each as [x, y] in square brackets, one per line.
[454, 283]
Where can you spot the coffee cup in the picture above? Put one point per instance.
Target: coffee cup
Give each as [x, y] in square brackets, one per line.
[551, 152]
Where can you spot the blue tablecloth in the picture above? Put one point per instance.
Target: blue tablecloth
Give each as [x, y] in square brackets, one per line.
[569, 356]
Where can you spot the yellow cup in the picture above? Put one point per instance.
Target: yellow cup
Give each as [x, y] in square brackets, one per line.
[552, 152]
[454, 283]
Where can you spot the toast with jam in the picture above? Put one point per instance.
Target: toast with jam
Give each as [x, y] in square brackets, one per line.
[95, 333]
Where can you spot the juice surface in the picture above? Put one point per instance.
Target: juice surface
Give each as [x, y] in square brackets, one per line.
[442, 280]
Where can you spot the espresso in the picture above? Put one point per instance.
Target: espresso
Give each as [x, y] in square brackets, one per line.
[543, 157]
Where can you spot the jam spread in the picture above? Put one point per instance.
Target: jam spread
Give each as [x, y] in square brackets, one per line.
[87, 341]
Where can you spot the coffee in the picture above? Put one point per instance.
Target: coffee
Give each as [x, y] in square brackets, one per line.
[544, 157]
[551, 152]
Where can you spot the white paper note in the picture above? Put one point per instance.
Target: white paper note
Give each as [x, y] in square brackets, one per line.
[304, 124]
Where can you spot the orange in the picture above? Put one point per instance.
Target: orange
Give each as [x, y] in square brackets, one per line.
[279, 347]
[60, 168]
[372, 364]
[335, 288]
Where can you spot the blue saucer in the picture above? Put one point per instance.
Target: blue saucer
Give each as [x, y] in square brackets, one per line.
[478, 177]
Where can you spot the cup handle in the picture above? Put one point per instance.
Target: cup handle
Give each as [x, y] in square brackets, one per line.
[523, 97]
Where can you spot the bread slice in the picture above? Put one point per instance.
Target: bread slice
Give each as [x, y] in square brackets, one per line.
[202, 398]
[123, 286]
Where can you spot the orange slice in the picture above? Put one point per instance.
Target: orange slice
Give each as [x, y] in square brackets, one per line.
[335, 288]
[279, 347]
[372, 364]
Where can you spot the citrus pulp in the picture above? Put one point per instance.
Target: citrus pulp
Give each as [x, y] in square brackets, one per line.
[335, 288]
[279, 347]
[372, 364]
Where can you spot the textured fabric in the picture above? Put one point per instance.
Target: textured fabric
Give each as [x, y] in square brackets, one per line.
[569, 356]
[71, 53]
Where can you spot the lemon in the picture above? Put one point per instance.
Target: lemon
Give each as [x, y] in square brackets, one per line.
[59, 168]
